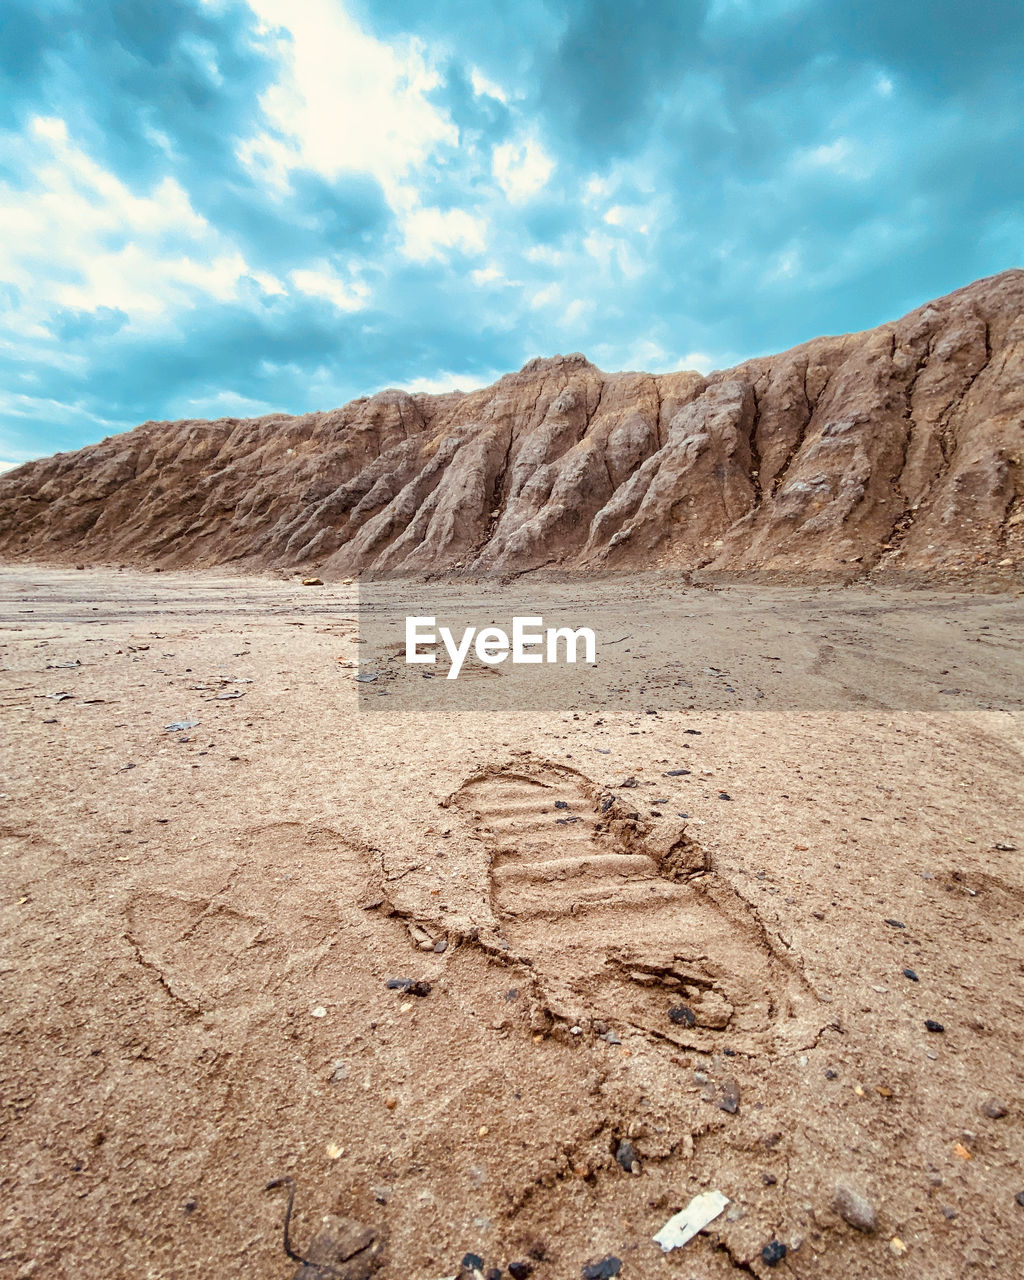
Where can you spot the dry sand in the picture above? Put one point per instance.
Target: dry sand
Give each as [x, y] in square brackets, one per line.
[198, 928]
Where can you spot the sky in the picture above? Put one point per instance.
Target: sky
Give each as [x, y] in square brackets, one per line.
[215, 208]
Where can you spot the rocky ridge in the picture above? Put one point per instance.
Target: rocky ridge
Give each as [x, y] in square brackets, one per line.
[900, 447]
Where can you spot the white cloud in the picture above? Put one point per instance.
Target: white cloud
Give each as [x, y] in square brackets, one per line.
[699, 360]
[322, 282]
[345, 102]
[75, 236]
[844, 157]
[450, 382]
[521, 168]
[226, 404]
[574, 312]
[611, 252]
[545, 255]
[784, 265]
[545, 297]
[645, 354]
[597, 189]
[483, 87]
[430, 232]
[629, 217]
[8, 466]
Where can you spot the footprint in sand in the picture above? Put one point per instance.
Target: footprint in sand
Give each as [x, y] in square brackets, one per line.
[238, 921]
[622, 924]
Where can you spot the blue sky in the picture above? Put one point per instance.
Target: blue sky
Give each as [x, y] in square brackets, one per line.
[210, 207]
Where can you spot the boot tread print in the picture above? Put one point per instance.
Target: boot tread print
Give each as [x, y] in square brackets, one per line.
[622, 924]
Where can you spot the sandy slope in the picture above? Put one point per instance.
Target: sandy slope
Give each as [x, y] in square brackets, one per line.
[179, 906]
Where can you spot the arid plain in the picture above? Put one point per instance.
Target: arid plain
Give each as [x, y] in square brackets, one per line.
[626, 1006]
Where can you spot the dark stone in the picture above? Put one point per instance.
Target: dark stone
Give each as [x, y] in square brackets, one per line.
[604, 1269]
[895, 924]
[909, 973]
[473, 1262]
[561, 804]
[696, 732]
[520, 1270]
[343, 1249]
[629, 782]
[627, 1157]
[831, 1074]
[682, 1015]
[730, 1099]
[994, 1108]
[677, 773]
[769, 1179]
[1019, 1197]
[773, 1253]
[724, 795]
[931, 1025]
[409, 986]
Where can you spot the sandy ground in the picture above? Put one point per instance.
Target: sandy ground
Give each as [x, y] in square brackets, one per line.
[199, 926]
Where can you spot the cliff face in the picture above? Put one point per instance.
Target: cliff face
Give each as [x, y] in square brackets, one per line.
[902, 446]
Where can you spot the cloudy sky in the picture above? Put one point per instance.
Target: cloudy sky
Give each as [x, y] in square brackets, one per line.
[210, 207]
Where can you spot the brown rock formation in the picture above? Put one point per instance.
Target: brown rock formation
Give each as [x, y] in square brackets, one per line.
[899, 447]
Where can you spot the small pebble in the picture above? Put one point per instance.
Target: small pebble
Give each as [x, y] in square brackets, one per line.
[627, 1157]
[440, 947]
[520, 1270]
[730, 1099]
[603, 1269]
[854, 1208]
[831, 1074]
[682, 1015]
[931, 1025]
[895, 924]
[909, 973]
[994, 1108]
[773, 1253]
[318, 1012]
[1019, 1197]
